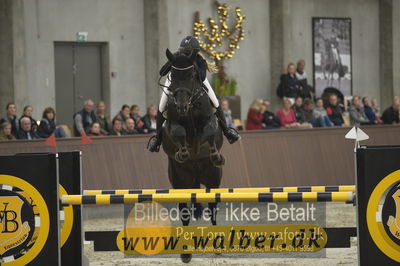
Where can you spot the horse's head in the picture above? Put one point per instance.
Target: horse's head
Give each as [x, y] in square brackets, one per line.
[184, 80]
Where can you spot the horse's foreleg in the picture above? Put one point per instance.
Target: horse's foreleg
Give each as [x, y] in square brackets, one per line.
[215, 157]
[213, 208]
[178, 132]
[184, 213]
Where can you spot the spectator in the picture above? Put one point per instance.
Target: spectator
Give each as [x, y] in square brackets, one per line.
[306, 91]
[227, 113]
[255, 115]
[334, 112]
[307, 111]
[287, 115]
[25, 132]
[369, 112]
[5, 131]
[289, 84]
[321, 119]
[48, 125]
[149, 120]
[117, 129]
[391, 114]
[130, 127]
[298, 110]
[102, 118]
[28, 110]
[375, 107]
[270, 120]
[95, 130]
[356, 113]
[11, 118]
[135, 115]
[84, 118]
[124, 114]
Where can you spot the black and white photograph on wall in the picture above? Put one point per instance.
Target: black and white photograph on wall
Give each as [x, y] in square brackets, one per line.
[332, 54]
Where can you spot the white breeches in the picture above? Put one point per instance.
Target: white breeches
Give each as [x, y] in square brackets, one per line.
[164, 97]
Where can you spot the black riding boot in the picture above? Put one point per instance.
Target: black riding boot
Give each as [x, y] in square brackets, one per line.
[155, 141]
[230, 133]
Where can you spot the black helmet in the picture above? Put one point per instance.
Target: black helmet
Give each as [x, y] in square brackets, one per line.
[189, 44]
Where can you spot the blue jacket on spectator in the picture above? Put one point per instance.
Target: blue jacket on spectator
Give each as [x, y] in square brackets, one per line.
[369, 112]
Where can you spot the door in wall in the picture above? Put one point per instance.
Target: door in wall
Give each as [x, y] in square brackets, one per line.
[78, 77]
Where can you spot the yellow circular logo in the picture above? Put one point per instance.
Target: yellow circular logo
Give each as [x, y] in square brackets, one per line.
[384, 220]
[22, 212]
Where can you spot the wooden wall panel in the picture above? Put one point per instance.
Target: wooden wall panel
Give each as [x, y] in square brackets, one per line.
[262, 158]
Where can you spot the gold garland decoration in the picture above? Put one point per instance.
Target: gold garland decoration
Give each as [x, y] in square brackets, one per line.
[211, 39]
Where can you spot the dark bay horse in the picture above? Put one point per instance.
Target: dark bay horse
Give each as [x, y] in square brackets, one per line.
[192, 137]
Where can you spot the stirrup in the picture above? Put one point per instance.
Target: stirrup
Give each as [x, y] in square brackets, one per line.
[153, 145]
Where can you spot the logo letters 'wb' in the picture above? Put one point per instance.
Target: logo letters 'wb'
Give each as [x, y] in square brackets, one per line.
[8, 220]
[394, 222]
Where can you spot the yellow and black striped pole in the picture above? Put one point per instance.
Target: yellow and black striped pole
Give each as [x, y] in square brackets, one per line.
[344, 188]
[347, 196]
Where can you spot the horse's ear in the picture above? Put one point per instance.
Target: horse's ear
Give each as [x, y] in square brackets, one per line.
[170, 56]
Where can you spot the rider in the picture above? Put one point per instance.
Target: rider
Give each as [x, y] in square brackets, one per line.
[191, 45]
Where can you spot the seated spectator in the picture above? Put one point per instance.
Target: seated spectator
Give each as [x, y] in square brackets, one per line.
[5, 131]
[255, 115]
[102, 118]
[334, 112]
[356, 113]
[369, 112]
[270, 120]
[130, 127]
[289, 86]
[298, 109]
[149, 120]
[95, 130]
[48, 125]
[135, 115]
[287, 115]
[11, 118]
[28, 110]
[391, 114]
[25, 132]
[84, 118]
[124, 114]
[117, 129]
[376, 108]
[227, 113]
[306, 91]
[321, 119]
[307, 111]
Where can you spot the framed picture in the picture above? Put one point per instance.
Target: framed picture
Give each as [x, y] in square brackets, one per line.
[332, 55]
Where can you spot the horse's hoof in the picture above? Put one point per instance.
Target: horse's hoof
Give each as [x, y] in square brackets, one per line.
[186, 258]
[218, 161]
[181, 157]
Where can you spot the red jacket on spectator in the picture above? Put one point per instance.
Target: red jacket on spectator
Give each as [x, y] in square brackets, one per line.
[286, 118]
[254, 120]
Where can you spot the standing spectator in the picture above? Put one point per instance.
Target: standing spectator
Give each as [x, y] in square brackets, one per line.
[306, 91]
[84, 118]
[124, 114]
[102, 118]
[298, 110]
[287, 115]
[11, 118]
[356, 113]
[391, 114]
[255, 115]
[5, 131]
[375, 107]
[369, 112]
[117, 129]
[28, 111]
[135, 115]
[227, 113]
[334, 112]
[321, 118]
[95, 130]
[149, 120]
[270, 120]
[289, 85]
[25, 132]
[130, 127]
[48, 125]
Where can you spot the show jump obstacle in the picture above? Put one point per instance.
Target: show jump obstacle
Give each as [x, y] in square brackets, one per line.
[31, 211]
